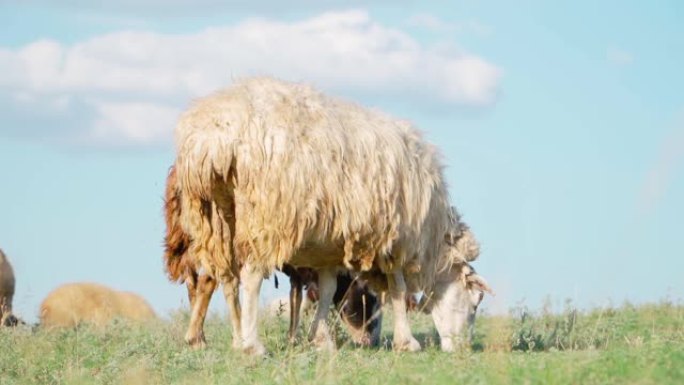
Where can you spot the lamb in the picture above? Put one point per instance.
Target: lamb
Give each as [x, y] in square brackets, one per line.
[359, 307]
[72, 304]
[275, 173]
[7, 283]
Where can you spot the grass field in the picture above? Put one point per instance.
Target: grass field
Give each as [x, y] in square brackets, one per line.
[624, 345]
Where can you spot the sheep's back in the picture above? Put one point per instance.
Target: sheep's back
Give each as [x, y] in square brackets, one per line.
[312, 169]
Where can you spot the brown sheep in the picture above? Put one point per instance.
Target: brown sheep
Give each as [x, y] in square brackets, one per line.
[7, 283]
[75, 303]
[359, 307]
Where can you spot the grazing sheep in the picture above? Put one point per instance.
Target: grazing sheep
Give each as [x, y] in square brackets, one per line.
[75, 303]
[449, 323]
[275, 173]
[456, 292]
[6, 291]
[357, 305]
[180, 267]
[359, 308]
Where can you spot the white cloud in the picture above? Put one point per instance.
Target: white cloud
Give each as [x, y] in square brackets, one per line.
[135, 83]
[435, 24]
[132, 122]
[430, 22]
[204, 7]
[619, 56]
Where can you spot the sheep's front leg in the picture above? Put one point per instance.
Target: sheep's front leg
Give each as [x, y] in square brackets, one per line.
[231, 291]
[403, 339]
[200, 302]
[251, 278]
[320, 331]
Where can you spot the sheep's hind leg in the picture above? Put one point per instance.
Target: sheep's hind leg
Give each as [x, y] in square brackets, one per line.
[403, 339]
[320, 331]
[231, 291]
[203, 292]
[251, 279]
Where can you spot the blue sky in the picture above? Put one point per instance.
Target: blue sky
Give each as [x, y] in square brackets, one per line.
[562, 124]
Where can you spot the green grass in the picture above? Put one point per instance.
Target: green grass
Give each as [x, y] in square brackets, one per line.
[625, 345]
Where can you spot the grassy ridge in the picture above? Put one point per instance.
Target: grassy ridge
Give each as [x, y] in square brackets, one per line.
[639, 345]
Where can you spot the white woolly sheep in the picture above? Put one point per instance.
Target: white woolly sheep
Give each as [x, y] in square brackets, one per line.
[274, 172]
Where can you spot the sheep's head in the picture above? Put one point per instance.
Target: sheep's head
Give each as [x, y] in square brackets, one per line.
[458, 289]
[453, 303]
[360, 309]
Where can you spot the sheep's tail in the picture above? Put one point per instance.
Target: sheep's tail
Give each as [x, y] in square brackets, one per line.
[176, 241]
[206, 176]
[204, 159]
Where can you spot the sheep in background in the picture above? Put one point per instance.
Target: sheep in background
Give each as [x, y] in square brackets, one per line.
[275, 173]
[7, 284]
[75, 303]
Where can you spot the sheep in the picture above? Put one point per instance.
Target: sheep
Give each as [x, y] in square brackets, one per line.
[72, 304]
[358, 307]
[356, 303]
[275, 173]
[7, 284]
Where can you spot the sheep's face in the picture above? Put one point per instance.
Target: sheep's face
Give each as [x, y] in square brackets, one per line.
[358, 305]
[360, 310]
[453, 303]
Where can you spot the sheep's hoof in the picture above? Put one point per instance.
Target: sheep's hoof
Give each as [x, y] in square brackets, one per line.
[447, 346]
[326, 345]
[410, 345]
[237, 344]
[254, 349]
[364, 340]
[196, 342]
[323, 343]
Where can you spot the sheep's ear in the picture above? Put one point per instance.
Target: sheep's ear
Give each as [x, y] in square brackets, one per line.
[476, 282]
